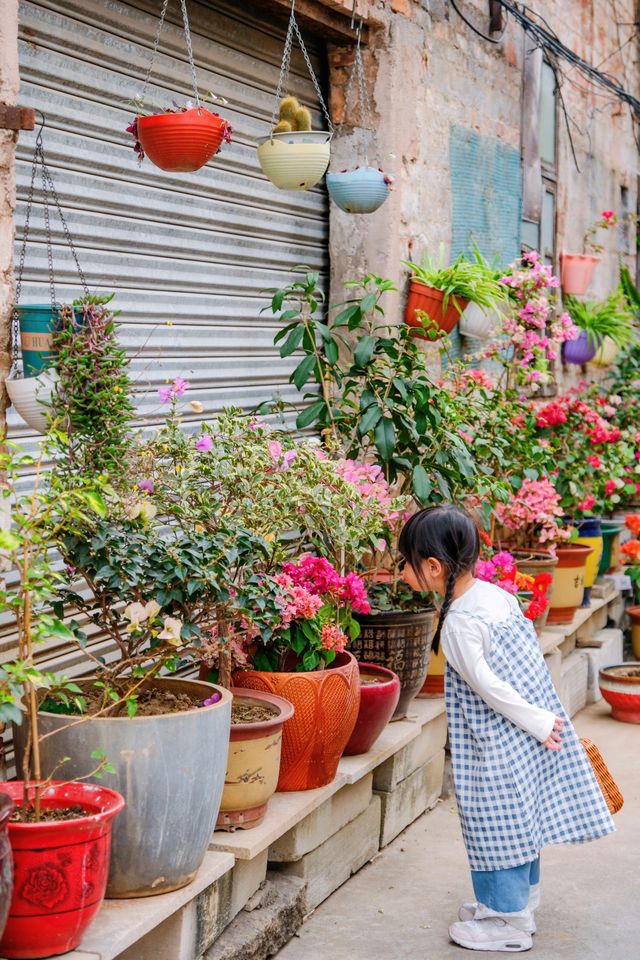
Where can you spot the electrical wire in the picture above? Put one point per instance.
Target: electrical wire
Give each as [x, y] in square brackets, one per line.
[478, 33]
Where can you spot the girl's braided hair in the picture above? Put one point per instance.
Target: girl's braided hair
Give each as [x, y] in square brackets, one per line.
[447, 534]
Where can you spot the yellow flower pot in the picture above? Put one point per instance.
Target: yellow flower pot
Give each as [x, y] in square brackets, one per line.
[434, 684]
[295, 161]
[607, 353]
[253, 762]
[568, 582]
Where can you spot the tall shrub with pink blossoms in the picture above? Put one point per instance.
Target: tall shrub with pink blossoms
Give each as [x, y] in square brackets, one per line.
[532, 332]
[530, 517]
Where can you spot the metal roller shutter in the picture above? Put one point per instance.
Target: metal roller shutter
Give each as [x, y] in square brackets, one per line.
[193, 250]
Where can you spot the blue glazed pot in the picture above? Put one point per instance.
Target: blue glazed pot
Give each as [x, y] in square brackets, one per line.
[362, 190]
[581, 350]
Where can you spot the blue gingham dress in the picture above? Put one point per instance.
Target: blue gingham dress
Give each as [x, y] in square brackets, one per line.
[515, 795]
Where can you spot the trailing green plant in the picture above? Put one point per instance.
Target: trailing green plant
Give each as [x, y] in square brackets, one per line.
[473, 280]
[91, 407]
[292, 116]
[611, 318]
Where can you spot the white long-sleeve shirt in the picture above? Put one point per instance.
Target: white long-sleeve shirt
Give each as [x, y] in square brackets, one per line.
[466, 642]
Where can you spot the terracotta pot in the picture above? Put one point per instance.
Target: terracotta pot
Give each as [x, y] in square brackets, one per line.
[568, 583]
[253, 764]
[576, 272]
[634, 616]
[423, 297]
[590, 536]
[181, 142]
[377, 703]
[326, 704]
[6, 860]
[610, 559]
[433, 686]
[164, 765]
[622, 692]
[60, 869]
[400, 642]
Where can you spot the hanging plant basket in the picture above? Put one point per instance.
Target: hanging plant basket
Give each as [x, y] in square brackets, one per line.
[296, 160]
[478, 323]
[430, 300]
[178, 139]
[182, 142]
[362, 190]
[576, 272]
[607, 353]
[31, 397]
[581, 350]
[293, 156]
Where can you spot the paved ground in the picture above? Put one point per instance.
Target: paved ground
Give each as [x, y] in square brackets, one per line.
[399, 906]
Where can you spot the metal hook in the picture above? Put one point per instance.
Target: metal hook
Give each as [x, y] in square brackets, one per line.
[41, 127]
[353, 13]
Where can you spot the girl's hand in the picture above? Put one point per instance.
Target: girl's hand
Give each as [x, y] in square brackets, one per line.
[554, 740]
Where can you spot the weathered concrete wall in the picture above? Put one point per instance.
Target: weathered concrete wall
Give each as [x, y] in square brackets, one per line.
[429, 72]
[9, 82]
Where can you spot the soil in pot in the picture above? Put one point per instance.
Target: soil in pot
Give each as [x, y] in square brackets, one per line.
[326, 706]
[401, 642]
[182, 754]
[150, 703]
[379, 695]
[253, 761]
[60, 867]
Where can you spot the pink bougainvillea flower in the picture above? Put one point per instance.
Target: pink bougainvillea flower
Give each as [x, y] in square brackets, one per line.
[608, 214]
[204, 443]
[609, 487]
[588, 503]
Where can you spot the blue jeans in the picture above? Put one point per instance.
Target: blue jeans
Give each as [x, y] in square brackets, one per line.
[506, 891]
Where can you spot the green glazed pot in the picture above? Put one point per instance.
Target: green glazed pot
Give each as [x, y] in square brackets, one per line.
[38, 322]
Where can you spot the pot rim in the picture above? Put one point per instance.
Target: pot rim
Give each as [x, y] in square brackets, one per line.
[179, 117]
[388, 615]
[225, 698]
[285, 707]
[356, 170]
[115, 800]
[378, 668]
[314, 134]
[576, 548]
[580, 256]
[608, 674]
[535, 556]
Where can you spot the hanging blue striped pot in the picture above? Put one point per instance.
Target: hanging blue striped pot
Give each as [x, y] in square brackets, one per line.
[362, 190]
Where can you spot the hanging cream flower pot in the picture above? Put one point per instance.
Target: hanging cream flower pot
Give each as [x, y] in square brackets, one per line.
[607, 353]
[296, 160]
[31, 397]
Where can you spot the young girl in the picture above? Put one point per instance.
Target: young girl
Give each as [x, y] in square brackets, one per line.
[521, 775]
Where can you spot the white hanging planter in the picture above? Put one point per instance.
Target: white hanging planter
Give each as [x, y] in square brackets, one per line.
[478, 323]
[296, 160]
[30, 396]
[607, 353]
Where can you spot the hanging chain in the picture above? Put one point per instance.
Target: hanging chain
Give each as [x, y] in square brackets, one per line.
[284, 69]
[156, 44]
[364, 103]
[49, 193]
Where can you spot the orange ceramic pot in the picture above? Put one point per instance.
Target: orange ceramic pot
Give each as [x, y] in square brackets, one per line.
[576, 272]
[422, 297]
[326, 704]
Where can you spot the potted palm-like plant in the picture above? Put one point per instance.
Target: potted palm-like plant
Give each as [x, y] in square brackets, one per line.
[54, 898]
[604, 327]
[444, 291]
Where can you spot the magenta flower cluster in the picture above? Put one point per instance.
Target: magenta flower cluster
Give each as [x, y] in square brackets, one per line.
[534, 507]
[173, 390]
[318, 576]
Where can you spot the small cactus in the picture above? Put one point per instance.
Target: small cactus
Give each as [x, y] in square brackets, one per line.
[303, 119]
[292, 116]
[289, 107]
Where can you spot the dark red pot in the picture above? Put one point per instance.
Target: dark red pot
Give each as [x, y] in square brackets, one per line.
[377, 704]
[60, 870]
[6, 860]
[181, 142]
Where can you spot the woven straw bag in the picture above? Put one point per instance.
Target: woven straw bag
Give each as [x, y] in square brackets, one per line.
[608, 785]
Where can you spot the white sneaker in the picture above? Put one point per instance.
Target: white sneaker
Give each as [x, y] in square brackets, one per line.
[468, 911]
[491, 933]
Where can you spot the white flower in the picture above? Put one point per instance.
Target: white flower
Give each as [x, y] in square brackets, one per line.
[171, 632]
[153, 608]
[196, 406]
[136, 613]
[148, 510]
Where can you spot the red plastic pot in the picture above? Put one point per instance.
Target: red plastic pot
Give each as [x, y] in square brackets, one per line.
[378, 702]
[576, 272]
[60, 870]
[181, 142]
[428, 299]
[621, 689]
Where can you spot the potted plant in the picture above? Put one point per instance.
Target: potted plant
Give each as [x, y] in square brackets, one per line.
[577, 269]
[56, 894]
[443, 292]
[481, 323]
[293, 156]
[530, 523]
[610, 319]
[31, 397]
[362, 189]
[179, 139]
[620, 687]
[500, 567]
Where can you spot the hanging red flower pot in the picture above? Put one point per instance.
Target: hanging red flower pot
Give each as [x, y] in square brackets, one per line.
[430, 301]
[181, 142]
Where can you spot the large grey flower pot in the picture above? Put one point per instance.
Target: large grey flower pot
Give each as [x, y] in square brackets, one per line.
[170, 769]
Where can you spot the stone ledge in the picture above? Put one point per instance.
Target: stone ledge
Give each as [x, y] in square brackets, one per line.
[122, 923]
[587, 621]
[411, 798]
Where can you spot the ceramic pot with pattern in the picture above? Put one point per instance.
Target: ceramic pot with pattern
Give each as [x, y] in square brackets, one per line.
[620, 687]
[326, 704]
[60, 869]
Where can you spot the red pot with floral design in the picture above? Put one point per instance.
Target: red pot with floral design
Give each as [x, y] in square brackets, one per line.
[60, 869]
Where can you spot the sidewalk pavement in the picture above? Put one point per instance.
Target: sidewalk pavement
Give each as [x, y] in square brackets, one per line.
[400, 905]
